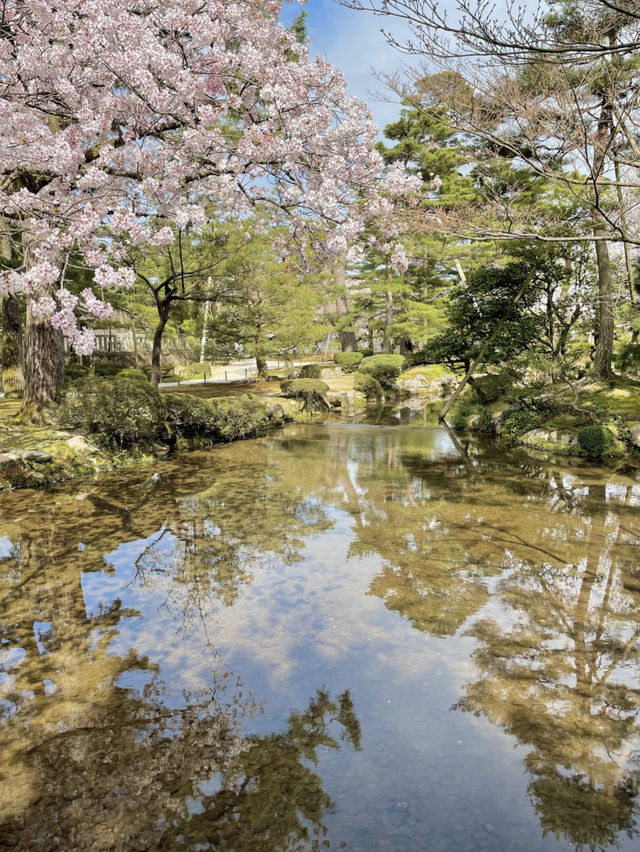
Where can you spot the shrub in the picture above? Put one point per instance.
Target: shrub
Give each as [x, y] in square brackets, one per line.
[628, 358]
[189, 417]
[311, 371]
[348, 361]
[129, 373]
[520, 421]
[311, 391]
[597, 441]
[369, 386]
[239, 417]
[119, 411]
[367, 352]
[491, 387]
[418, 358]
[384, 368]
[106, 369]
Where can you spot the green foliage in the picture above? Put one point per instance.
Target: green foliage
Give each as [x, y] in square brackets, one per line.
[520, 421]
[120, 412]
[597, 441]
[311, 391]
[369, 386]
[367, 352]
[239, 417]
[310, 371]
[628, 358]
[384, 368]
[106, 368]
[191, 417]
[137, 375]
[216, 420]
[348, 361]
[475, 310]
[493, 386]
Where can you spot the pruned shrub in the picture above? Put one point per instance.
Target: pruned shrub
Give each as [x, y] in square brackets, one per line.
[370, 387]
[348, 361]
[191, 417]
[310, 371]
[106, 369]
[311, 391]
[241, 417]
[367, 352]
[119, 411]
[129, 373]
[384, 368]
[597, 441]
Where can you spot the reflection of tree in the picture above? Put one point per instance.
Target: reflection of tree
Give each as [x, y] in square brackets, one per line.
[98, 752]
[560, 671]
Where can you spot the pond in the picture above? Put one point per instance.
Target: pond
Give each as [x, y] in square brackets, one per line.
[338, 636]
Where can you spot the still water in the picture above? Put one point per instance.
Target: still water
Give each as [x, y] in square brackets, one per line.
[370, 638]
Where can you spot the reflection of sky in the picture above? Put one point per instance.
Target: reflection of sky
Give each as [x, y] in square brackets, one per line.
[5, 547]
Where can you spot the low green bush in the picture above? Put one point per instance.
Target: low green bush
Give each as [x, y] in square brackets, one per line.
[191, 417]
[311, 391]
[129, 373]
[493, 386]
[520, 421]
[628, 358]
[384, 368]
[106, 369]
[370, 387]
[596, 441]
[348, 361]
[367, 352]
[310, 371]
[120, 412]
[240, 417]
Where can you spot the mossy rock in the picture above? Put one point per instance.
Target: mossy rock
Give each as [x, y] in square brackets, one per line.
[129, 373]
[215, 420]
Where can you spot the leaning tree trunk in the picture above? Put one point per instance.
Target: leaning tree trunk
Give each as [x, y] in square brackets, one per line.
[12, 356]
[43, 367]
[604, 314]
[156, 351]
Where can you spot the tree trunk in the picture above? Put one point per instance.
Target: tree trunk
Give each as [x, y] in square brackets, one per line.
[387, 342]
[604, 313]
[261, 364]
[43, 367]
[156, 351]
[203, 339]
[12, 348]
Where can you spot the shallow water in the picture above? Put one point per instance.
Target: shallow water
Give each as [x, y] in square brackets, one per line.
[373, 637]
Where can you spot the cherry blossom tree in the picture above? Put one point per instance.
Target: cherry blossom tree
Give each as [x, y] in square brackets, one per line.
[121, 119]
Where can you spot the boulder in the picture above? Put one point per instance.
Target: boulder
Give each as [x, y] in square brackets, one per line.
[30, 455]
[80, 446]
[634, 435]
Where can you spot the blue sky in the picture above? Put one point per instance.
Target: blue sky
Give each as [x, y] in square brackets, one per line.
[351, 41]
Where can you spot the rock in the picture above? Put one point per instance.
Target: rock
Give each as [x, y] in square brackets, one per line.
[567, 439]
[81, 446]
[635, 435]
[536, 437]
[276, 412]
[347, 404]
[30, 455]
[7, 458]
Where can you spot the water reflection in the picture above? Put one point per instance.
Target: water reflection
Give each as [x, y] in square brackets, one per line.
[117, 596]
